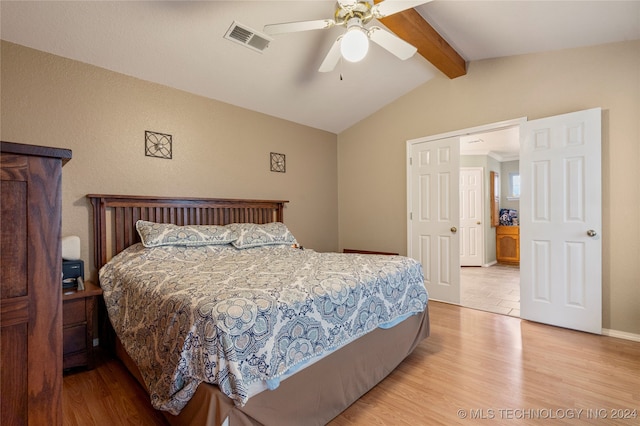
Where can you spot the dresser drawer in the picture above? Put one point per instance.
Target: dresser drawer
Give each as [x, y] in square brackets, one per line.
[74, 338]
[508, 230]
[76, 359]
[74, 311]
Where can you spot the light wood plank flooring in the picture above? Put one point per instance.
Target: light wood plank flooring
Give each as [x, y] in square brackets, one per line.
[494, 288]
[488, 368]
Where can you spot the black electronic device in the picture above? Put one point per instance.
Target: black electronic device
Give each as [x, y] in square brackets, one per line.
[71, 271]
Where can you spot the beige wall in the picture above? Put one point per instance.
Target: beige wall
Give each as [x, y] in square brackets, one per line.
[218, 150]
[371, 155]
[222, 151]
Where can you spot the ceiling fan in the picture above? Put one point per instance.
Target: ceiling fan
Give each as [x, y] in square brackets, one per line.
[354, 43]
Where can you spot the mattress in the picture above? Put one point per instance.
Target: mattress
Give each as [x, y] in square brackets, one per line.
[245, 319]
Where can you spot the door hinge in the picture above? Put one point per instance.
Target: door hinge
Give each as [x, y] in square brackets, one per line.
[410, 215]
[411, 161]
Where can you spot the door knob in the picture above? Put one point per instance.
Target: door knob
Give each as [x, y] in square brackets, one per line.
[478, 223]
[454, 229]
[591, 233]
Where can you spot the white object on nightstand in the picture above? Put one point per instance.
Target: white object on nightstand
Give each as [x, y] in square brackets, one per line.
[71, 247]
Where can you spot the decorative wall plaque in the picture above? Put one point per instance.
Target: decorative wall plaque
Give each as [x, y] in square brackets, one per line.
[278, 163]
[157, 145]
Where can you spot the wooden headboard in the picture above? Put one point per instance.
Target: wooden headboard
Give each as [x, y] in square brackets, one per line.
[115, 216]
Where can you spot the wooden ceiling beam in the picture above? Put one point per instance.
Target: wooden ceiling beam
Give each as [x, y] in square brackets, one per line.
[410, 26]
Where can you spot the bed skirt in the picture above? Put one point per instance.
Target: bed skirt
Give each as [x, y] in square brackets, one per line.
[314, 395]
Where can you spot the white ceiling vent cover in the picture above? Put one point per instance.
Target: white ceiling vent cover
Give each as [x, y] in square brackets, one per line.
[247, 37]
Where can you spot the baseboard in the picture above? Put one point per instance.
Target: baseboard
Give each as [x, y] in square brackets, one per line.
[486, 265]
[621, 334]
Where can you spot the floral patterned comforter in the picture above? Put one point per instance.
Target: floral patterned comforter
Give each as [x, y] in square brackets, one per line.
[233, 317]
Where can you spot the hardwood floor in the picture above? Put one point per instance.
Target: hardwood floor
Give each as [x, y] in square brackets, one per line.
[485, 367]
[107, 395]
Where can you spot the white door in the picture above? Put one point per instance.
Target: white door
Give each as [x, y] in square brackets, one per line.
[433, 191]
[560, 216]
[471, 223]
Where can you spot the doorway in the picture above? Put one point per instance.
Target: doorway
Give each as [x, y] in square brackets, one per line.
[491, 283]
[561, 261]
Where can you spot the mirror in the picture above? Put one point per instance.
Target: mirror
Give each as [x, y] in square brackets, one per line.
[494, 198]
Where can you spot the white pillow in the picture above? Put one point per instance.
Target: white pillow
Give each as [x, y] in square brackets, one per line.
[166, 234]
[254, 235]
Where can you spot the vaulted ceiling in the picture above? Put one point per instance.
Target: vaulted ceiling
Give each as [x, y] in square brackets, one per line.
[181, 44]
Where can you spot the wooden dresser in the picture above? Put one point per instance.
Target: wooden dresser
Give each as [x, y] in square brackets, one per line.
[30, 284]
[508, 244]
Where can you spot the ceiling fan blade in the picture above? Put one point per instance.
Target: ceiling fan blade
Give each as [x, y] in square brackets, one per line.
[293, 27]
[389, 7]
[332, 58]
[392, 43]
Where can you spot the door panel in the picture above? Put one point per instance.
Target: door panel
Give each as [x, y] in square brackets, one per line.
[561, 257]
[433, 191]
[471, 228]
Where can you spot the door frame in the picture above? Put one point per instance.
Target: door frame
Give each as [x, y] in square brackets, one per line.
[546, 135]
[457, 133]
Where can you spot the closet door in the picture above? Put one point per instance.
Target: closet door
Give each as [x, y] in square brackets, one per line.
[561, 221]
[433, 191]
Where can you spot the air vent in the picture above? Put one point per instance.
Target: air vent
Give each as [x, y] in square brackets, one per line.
[248, 37]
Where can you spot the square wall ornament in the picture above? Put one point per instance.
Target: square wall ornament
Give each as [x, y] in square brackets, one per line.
[278, 162]
[157, 145]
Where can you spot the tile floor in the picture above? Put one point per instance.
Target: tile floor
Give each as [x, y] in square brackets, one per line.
[494, 288]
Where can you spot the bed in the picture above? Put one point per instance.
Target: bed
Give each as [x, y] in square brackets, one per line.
[311, 392]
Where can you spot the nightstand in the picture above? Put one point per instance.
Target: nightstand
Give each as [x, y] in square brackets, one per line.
[78, 314]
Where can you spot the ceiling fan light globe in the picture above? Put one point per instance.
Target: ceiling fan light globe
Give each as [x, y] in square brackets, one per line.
[354, 45]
